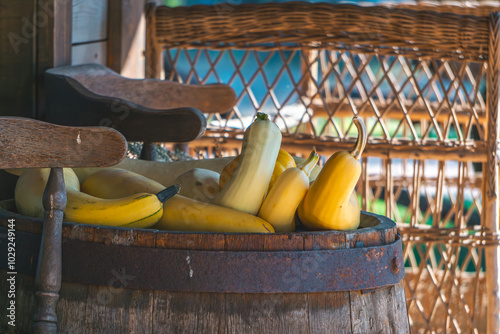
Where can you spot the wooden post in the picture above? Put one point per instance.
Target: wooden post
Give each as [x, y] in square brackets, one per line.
[49, 270]
[126, 37]
[153, 66]
[490, 191]
[53, 44]
[153, 50]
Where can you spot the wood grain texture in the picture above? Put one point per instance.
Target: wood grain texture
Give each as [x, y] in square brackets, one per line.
[90, 21]
[89, 53]
[126, 37]
[53, 44]
[153, 52]
[30, 143]
[17, 92]
[49, 269]
[151, 93]
[491, 192]
[115, 107]
[7, 185]
[114, 308]
[35, 37]
[105, 309]
[430, 151]
[25, 304]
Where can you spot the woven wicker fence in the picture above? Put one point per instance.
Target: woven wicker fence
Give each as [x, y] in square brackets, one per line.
[425, 80]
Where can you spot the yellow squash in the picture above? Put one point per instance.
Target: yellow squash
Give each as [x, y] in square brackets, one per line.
[30, 186]
[284, 161]
[139, 211]
[199, 184]
[166, 172]
[330, 203]
[283, 199]
[248, 185]
[186, 214]
[179, 213]
[160, 171]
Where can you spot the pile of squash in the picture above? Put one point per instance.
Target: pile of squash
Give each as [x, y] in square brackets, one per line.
[262, 190]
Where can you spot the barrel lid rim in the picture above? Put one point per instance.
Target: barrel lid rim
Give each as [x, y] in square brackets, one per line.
[385, 223]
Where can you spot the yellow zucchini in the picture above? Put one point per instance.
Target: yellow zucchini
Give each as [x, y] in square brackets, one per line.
[140, 210]
[283, 199]
[159, 171]
[248, 186]
[179, 213]
[284, 161]
[199, 184]
[330, 203]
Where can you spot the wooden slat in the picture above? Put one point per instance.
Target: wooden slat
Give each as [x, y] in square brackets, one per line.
[153, 52]
[491, 192]
[191, 241]
[89, 53]
[373, 312]
[126, 37]
[328, 312]
[250, 313]
[30, 44]
[90, 20]
[25, 287]
[53, 44]
[178, 312]
[17, 68]
[26, 143]
[327, 146]
[7, 185]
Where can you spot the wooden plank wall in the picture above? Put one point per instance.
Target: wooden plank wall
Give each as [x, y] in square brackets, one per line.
[111, 33]
[39, 34]
[127, 37]
[89, 40]
[17, 95]
[36, 35]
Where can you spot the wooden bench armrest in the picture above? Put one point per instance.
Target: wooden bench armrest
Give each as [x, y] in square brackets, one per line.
[149, 93]
[28, 143]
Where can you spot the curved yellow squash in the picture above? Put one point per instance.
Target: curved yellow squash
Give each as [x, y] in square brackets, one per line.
[330, 203]
[179, 213]
[139, 210]
[283, 199]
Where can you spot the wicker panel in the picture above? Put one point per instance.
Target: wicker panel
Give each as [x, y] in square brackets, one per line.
[418, 76]
[446, 293]
[412, 108]
[407, 31]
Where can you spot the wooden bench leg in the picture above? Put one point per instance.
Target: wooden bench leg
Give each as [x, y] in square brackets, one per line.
[49, 271]
[148, 152]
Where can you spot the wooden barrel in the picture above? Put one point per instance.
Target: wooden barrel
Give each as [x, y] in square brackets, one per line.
[147, 281]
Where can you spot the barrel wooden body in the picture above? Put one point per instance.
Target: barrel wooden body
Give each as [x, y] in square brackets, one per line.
[112, 303]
